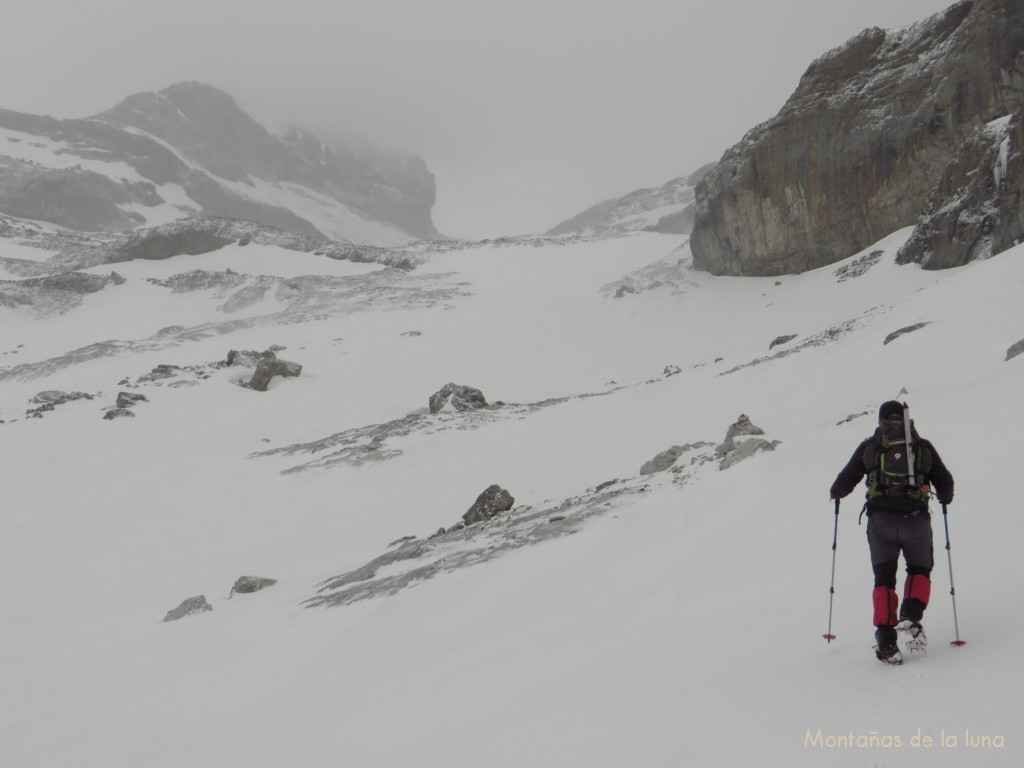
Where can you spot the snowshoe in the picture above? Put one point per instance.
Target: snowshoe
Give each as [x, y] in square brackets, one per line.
[915, 639]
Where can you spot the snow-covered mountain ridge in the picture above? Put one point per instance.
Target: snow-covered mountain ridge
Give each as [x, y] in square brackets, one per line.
[190, 150]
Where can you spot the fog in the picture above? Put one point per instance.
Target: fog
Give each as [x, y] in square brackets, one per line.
[527, 111]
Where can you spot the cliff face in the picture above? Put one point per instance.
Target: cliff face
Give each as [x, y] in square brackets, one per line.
[977, 208]
[861, 144]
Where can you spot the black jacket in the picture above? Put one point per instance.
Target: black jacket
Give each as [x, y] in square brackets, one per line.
[856, 468]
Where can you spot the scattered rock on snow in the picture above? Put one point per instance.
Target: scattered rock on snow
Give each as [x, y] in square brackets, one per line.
[128, 399]
[162, 371]
[491, 502]
[457, 397]
[49, 399]
[667, 458]
[267, 368]
[249, 584]
[909, 329]
[778, 340]
[731, 451]
[189, 607]
[117, 413]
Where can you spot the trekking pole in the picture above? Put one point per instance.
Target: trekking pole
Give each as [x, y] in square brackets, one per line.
[832, 587]
[952, 589]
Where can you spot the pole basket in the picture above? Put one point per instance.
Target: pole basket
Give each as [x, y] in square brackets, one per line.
[958, 643]
[830, 638]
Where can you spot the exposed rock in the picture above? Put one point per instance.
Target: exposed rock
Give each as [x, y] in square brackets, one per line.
[854, 153]
[189, 607]
[746, 449]
[49, 399]
[732, 451]
[974, 211]
[1014, 350]
[163, 243]
[457, 397]
[247, 357]
[667, 458]
[741, 427]
[248, 584]
[117, 413]
[128, 399]
[267, 368]
[858, 266]
[908, 329]
[59, 397]
[53, 294]
[491, 502]
[781, 340]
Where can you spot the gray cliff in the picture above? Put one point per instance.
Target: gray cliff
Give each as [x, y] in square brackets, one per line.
[861, 146]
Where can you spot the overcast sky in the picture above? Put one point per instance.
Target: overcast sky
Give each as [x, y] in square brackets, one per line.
[527, 111]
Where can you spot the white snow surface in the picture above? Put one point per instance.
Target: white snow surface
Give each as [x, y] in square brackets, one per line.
[681, 627]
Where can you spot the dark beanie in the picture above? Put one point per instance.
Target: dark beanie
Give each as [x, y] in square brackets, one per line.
[890, 409]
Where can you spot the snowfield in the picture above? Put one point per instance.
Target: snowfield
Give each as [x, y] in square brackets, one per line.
[677, 623]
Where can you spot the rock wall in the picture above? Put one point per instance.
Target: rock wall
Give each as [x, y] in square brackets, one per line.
[860, 145]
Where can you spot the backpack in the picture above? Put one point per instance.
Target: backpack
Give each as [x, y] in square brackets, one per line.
[887, 464]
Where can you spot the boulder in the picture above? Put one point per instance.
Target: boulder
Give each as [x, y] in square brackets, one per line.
[741, 427]
[908, 329]
[1014, 350]
[128, 399]
[189, 607]
[267, 368]
[491, 502]
[117, 413]
[457, 397]
[248, 584]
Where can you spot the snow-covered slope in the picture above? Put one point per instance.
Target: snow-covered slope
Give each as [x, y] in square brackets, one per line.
[667, 209]
[665, 619]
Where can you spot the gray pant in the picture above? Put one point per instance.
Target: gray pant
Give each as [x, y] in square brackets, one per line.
[889, 534]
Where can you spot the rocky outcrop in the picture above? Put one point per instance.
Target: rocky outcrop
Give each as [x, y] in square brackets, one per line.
[857, 149]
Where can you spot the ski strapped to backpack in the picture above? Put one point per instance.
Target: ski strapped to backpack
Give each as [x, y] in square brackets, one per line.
[896, 463]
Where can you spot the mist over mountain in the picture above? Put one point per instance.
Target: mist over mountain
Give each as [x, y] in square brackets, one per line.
[190, 150]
